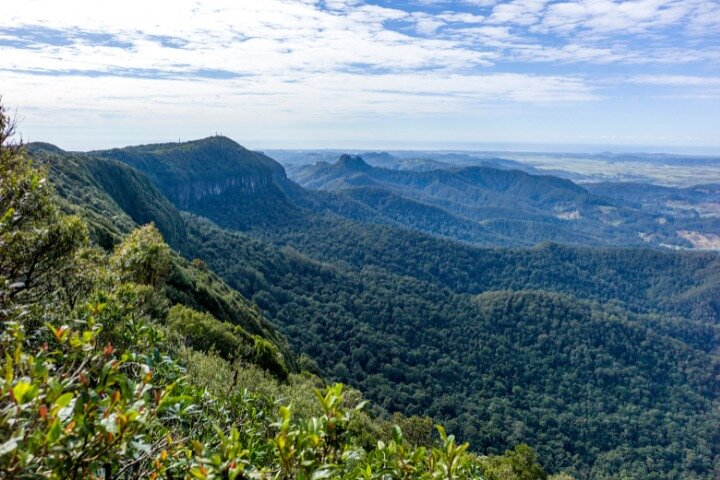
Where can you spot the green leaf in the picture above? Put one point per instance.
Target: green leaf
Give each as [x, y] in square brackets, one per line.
[53, 433]
[9, 374]
[169, 401]
[7, 216]
[197, 473]
[397, 435]
[24, 391]
[8, 446]
[63, 400]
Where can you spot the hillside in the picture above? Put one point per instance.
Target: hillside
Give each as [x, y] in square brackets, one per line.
[557, 346]
[686, 283]
[382, 332]
[104, 379]
[114, 199]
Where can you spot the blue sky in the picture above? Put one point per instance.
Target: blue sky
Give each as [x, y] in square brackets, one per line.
[641, 74]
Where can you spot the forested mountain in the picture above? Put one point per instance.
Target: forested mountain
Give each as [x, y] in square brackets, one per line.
[473, 213]
[604, 360]
[112, 196]
[512, 207]
[499, 204]
[217, 178]
[244, 190]
[296, 160]
[404, 341]
[209, 174]
[114, 199]
[350, 171]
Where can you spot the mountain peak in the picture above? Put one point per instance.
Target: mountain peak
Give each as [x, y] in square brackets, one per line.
[218, 140]
[35, 147]
[350, 162]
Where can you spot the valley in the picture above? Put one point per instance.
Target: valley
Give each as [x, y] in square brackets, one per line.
[584, 352]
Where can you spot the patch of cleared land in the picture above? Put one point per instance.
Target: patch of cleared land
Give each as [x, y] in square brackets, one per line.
[584, 169]
[701, 241]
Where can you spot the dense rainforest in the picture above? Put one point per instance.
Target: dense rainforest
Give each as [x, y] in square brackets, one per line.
[122, 359]
[603, 360]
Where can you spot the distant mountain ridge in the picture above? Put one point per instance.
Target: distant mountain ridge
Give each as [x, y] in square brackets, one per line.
[509, 206]
[480, 181]
[246, 190]
[397, 160]
[516, 207]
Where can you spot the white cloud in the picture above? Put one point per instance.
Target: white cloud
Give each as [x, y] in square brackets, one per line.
[705, 18]
[520, 12]
[426, 24]
[460, 17]
[321, 96]
[676, 80]
[250, 38]
[79, 112]
[571, 53]
[609, 16]
[291, 45]
[317, 59]
[472, 3]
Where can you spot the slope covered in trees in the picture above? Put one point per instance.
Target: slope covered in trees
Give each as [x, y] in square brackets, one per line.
[101, 379]
[111, 196]
[590, 355]
[686, 283]
[418, 347]
[212, 173]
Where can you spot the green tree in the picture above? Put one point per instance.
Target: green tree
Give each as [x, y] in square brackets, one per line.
[143, 257]
[35, 240]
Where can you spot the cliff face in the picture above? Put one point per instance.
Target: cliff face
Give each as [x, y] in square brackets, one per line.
[186, 194]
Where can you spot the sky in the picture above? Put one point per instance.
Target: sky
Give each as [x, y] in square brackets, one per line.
[462, 74]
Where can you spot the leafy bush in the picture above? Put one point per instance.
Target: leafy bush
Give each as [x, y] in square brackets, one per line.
[267, 356]
[143, 257]
[205, 333]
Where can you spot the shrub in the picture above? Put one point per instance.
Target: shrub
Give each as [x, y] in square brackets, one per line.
[203, 332]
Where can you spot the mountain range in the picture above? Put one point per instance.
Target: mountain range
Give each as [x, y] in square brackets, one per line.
[510, 306]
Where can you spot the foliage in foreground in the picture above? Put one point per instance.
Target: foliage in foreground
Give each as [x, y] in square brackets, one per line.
[94, 383]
